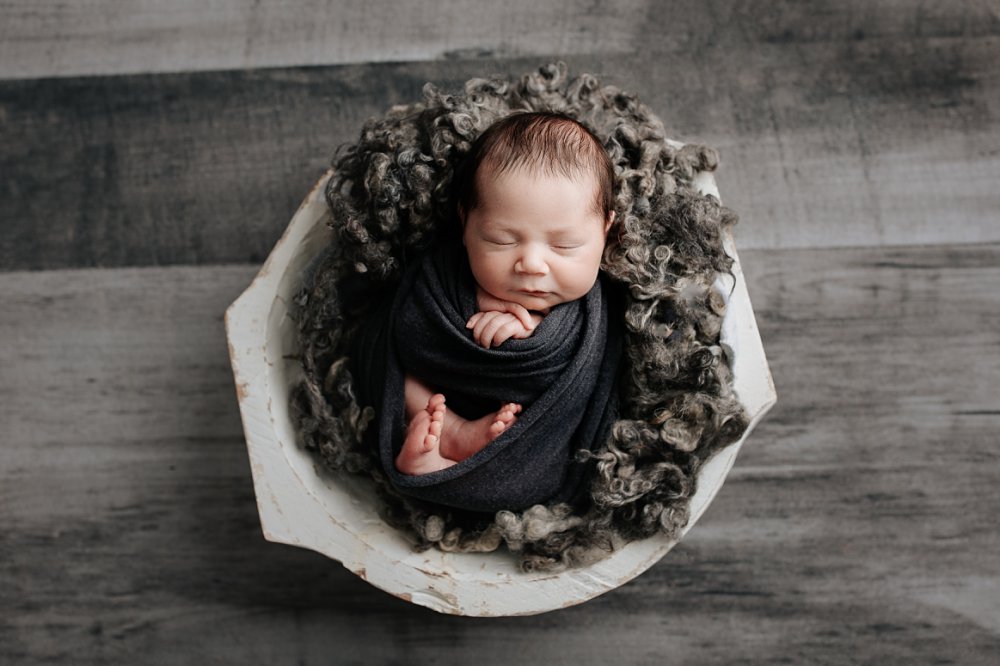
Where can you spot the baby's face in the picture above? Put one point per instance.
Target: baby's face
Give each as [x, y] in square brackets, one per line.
[535, 239]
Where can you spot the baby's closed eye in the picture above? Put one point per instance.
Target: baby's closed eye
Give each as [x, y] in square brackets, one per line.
[566, 242]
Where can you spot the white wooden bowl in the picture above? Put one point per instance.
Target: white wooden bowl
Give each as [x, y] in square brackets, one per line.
[334, 514]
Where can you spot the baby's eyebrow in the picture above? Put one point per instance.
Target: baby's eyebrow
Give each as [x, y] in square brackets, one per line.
[497, 228]
[568, 232]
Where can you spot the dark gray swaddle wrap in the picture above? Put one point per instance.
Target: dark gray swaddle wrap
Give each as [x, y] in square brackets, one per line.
[563, 374]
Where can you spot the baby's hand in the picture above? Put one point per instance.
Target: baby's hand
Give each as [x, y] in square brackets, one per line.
[488, 303]
[493, 328]
[498, 321]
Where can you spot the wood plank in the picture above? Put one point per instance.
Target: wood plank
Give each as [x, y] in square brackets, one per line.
[170, 169]
[44, 39]
[881, 141]
[857, 526]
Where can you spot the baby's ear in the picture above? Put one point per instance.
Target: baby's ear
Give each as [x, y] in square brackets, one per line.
[610, 221]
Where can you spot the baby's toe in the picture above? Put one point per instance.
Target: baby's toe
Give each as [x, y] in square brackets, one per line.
[430, 442]
[508, 412]
[436, 402]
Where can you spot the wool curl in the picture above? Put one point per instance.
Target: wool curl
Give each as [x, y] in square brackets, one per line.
[390, 201]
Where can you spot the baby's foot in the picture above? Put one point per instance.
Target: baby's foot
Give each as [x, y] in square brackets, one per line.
[461, 438]
[421, 452]
[503, 419]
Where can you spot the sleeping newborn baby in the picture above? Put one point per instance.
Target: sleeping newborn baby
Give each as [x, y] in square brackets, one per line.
[534, 220]
[499, 356]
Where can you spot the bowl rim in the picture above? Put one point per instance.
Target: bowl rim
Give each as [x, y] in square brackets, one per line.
[321, 514]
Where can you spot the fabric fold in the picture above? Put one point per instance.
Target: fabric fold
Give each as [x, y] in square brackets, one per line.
[564, 375]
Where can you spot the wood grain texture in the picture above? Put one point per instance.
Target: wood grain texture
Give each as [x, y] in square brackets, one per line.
[43, 38]
[872, 129]
[40, 38]
[857, 526]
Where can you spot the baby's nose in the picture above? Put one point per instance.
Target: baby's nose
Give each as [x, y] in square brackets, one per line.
[531, 261]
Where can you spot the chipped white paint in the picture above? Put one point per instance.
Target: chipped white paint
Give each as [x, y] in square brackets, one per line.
[306, 506]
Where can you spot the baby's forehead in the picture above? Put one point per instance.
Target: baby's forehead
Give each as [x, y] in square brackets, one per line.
[578, 173]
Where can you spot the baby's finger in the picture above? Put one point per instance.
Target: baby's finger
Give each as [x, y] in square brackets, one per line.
[507, 331]
[522, 314]
[480, 327]
[482, 318]
[473, 319]
[491, 329]
[521, 333]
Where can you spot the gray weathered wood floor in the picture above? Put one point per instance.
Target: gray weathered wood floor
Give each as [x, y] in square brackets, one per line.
[142, 186]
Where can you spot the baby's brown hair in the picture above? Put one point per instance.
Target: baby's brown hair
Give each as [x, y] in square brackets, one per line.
[552, 142]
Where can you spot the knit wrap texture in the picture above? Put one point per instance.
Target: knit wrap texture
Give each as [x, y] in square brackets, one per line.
[563, 375]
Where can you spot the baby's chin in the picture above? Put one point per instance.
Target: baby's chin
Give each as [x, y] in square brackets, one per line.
[541, 302]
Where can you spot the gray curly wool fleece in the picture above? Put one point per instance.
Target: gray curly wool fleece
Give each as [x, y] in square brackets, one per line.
[390, 201]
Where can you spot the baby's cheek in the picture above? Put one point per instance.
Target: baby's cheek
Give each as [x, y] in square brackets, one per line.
[583, 276]
[486, 272]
